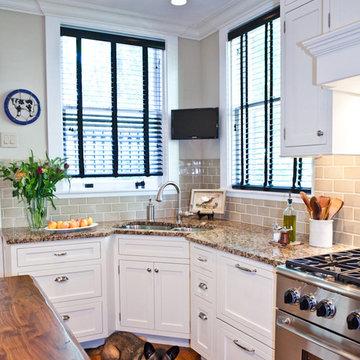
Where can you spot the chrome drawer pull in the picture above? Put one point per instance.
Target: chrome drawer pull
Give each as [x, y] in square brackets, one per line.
[203, 286]
[238, 266]
[202, 259]
[203, 316]
[60, 254]
[61, 279]
[65, 317]
[236, 342]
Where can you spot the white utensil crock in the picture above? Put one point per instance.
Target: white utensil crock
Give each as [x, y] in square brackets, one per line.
[321, 233]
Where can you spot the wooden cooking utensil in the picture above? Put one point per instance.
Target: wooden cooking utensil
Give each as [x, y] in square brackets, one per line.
[336, 205]
[325, 210]
[323, 201]
[316, 208]
[306, 202]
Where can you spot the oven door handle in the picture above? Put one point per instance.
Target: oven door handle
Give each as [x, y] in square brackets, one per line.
[285, 323]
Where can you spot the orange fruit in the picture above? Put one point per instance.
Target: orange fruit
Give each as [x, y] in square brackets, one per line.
[78, 221]
[59, 225]
[83, 223]
[65, 225]
[89, 221]
[52, 225]
[73, 224]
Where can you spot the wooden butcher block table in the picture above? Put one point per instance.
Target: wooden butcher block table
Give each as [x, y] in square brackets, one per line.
[29, 325]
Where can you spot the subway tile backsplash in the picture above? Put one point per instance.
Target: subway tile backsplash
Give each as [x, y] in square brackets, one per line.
[337, 176]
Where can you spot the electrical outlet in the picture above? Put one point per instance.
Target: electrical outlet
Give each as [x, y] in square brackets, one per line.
[8, 140]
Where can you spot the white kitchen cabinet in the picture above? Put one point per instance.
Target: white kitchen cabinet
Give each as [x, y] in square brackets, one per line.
[233, 344]
[137, 294]
[306, 112]
[153, 285]
[289, 5]
[339, 13]
[246, 297]
[72, 274]
[203, 328]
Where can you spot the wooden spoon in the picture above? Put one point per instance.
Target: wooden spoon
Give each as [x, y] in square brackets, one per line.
[316, 208]
[325, 210]
[306, 202]
[336, 205]
[323, 201]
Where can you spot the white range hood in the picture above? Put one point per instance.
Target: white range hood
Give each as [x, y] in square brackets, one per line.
[337, 58]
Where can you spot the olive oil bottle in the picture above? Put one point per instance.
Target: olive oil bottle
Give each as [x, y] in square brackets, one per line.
[290, 219]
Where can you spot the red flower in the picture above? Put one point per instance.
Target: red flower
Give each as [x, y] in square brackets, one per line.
[58, 170]
[39, 170]
[66, 165]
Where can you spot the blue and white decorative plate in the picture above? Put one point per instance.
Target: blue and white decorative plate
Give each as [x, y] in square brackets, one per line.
[22, 107]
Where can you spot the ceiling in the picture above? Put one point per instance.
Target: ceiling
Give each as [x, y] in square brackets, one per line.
[196, 20]
[191, 14]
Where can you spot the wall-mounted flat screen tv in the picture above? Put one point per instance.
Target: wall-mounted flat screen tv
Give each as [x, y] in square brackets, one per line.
[201, 123]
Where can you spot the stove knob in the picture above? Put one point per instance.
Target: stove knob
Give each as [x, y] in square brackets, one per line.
[353, 321]
[307, 302]
[291, 296]
[326, 309]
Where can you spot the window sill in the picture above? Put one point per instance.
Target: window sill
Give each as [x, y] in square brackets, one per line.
[262, 195]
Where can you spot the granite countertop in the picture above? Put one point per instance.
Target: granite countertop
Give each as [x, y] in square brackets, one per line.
[246, 240]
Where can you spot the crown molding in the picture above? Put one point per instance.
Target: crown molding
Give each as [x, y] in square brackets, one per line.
[71, 9]
[334, 41]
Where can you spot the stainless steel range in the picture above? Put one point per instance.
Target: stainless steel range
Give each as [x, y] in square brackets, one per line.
[318, 308]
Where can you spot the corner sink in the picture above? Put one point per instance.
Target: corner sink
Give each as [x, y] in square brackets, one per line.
[159, 226]
[135, 226]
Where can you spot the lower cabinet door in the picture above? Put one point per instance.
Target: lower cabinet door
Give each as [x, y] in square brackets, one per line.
[85, 320]
[172, 297]
[232, 344]
[137, 294]
[202, 328]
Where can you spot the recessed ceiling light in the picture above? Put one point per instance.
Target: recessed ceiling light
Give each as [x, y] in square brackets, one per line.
[178, 2]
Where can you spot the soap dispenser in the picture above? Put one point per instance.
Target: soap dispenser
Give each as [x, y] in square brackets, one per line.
[150, 211]
[290, 219]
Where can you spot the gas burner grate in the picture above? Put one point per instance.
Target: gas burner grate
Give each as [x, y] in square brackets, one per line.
[342, 266]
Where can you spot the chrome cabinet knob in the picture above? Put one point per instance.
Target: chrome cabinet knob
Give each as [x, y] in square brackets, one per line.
[148, 270]
[320, 133]
[61, 279]
[156, 270]
[65, 317]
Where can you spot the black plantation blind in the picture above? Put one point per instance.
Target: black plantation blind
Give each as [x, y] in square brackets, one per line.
[255, 111]
[112, 104]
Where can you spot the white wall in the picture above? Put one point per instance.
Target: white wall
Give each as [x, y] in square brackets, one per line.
[199, 87]
[22, 66]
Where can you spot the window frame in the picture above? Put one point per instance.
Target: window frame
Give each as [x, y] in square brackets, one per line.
[109, 186]
[113, 40]
[252, 192]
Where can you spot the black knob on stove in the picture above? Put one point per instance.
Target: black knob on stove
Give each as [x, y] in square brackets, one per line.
[291, 296]
[307, 302]
[353, 321]
[326, 309]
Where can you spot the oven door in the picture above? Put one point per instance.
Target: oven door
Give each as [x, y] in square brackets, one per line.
[297, 339]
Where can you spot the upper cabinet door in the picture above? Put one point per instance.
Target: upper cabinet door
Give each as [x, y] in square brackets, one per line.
[340, 13]
[306, 108]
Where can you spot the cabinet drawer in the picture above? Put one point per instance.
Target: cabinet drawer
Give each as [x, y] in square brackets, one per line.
[233, 344]
[245, 296]
[153, 246]
[84, 320]
[203, 258]
[203, 286]
[54, 254]
[202, 328]
[70, 283]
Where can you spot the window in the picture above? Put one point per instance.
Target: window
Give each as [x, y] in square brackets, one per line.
[255, 111]
[112, 104]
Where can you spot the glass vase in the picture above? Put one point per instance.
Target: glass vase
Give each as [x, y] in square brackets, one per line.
[36, 213]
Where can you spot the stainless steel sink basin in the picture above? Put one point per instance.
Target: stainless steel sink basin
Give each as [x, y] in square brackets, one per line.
[159, 226]
[145, 227]
[190, 229]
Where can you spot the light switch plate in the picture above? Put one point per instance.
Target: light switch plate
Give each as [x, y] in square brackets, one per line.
[8, 140]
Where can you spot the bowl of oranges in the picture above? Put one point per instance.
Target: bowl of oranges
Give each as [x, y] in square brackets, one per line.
[71, 225]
